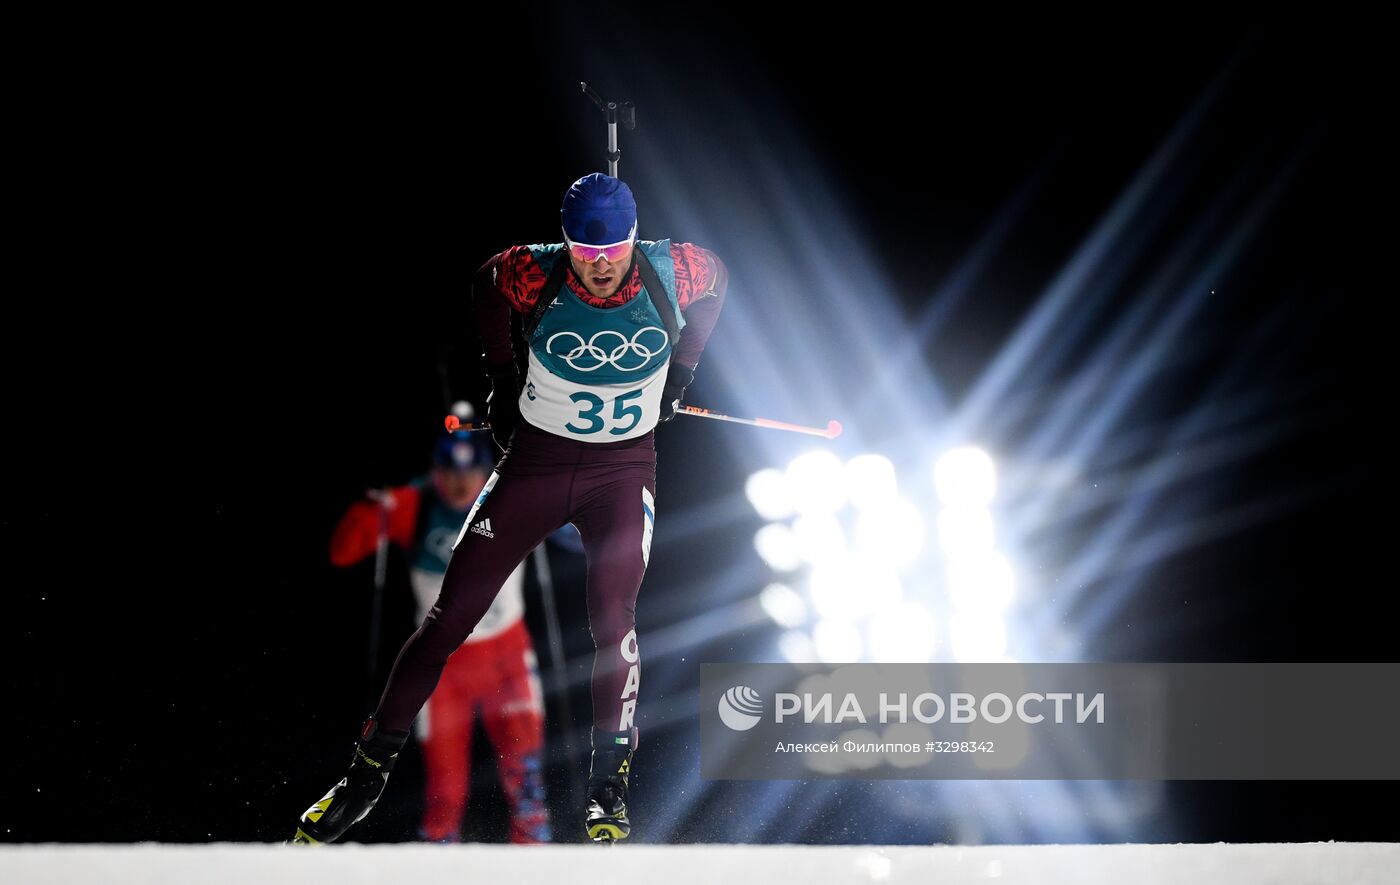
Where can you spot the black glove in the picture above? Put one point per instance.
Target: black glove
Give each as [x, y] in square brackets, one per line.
[503, 405]
[678, 378]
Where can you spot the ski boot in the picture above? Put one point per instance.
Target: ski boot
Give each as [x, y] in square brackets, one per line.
[351, 800]
[607, 786]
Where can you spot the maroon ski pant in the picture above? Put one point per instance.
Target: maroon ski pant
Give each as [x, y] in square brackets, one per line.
[542, 482]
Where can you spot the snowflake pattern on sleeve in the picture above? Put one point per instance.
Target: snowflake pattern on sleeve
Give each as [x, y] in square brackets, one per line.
[695, 275]
[519, 277]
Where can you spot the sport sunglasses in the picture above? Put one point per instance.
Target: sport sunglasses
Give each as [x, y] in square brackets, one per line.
[613, 251]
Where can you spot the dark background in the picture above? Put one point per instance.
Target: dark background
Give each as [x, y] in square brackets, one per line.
[272, 296]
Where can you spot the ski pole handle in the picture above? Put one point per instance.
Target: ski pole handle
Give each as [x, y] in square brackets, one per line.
[452, 422]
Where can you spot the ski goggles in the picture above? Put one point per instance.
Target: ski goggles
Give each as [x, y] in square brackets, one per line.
[613, 251]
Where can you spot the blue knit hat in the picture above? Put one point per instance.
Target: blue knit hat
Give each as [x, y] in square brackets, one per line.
[599, 210]
[460, 450]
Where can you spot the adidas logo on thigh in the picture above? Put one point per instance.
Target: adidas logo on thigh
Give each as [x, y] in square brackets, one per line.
[484, 528]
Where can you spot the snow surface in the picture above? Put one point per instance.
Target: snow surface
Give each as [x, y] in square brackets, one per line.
[1325, 863]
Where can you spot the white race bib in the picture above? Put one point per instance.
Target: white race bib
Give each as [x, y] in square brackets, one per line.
[595, 413]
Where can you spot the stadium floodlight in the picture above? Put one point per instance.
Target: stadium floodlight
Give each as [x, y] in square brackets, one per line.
[817, 481]
[893, 532]
[837, 590]
[902, 634]
[966, 532]
[965, 477]
[797, 647]
[777, 545]
[770, 493]
[819, 537]
[784, 605]
[977, 637]
[871, 482]
[837, 641]
[878, 581]
[984, 584]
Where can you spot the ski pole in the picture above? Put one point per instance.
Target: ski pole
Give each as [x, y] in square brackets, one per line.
[381, 574]
[831, 431]
[557, 662]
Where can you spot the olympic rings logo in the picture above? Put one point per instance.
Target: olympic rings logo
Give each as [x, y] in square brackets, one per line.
[608, 358]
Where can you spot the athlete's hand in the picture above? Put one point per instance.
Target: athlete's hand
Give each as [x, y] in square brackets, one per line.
[503, 406]
[678, 378]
